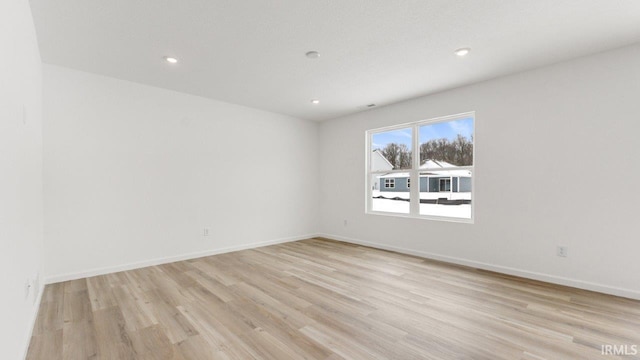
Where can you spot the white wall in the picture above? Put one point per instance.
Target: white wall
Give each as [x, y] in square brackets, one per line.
[556, 163]
[134, 173]
[21, 244]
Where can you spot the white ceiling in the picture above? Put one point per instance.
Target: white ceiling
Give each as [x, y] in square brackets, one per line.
[251, 52]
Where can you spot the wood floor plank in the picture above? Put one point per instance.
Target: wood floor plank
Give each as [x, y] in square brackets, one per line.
[152, 343]
[113, 341]
[220, 338]
[177, 327]
[100, 293]
[47, 345]
[79, 340]
[210, 284]
[136, 314]
[283, 330]
[323, 299]
[76, 306]
[196, 348]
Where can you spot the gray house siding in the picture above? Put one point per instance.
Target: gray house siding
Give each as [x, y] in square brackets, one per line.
[465, 184]
[400, 185]
[423, 184]
[433, 184]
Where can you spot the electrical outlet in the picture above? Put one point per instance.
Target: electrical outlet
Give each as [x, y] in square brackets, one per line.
[206, 232]
[562, 251]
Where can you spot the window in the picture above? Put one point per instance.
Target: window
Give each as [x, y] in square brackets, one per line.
[435, 154]
[389, 183]
[445, 184]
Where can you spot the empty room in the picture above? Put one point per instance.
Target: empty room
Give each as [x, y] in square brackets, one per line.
[319, 179]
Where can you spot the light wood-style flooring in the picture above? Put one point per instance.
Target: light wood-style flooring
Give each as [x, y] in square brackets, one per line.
[321, 299]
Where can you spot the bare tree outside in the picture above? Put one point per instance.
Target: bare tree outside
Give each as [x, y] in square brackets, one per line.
[458, 151]
[398, 155]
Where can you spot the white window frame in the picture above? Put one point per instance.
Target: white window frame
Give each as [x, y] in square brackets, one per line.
[414, 209]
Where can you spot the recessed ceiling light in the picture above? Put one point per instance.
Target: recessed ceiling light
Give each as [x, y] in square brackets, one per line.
[312, 54]
[462, 52]
[315, 101]
[170, 60]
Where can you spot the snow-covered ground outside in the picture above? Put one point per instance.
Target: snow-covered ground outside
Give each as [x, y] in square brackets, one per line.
[423, 195]
[399, 206]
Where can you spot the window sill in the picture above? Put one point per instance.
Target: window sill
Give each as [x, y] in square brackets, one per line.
[422, 217]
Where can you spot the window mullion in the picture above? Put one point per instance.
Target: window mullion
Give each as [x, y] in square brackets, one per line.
[414, 191]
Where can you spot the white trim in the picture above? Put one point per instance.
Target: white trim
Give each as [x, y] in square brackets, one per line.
[422, 172]
[395, 171]
[368, 177]
[422, 122]
[553, 279]
[419, 216]
[414, 194]
[34, 317]
[169, 259]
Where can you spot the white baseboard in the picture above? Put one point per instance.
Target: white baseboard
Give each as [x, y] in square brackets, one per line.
[32, 321]
[586, 285]
[169, 259]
